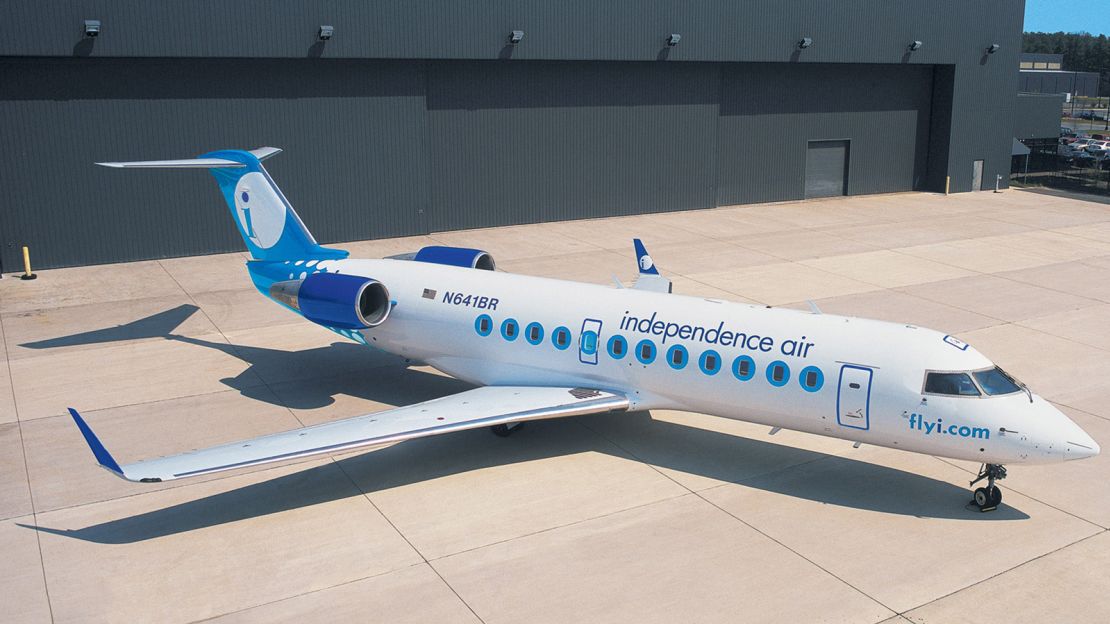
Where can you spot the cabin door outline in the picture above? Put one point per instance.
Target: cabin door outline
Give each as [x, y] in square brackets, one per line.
[853, 397]
[589, 341]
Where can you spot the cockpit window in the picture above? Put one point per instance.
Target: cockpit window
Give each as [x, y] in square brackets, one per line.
[995, 381]
[956, 384]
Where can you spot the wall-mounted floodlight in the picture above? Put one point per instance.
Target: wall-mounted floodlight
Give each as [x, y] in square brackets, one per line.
[515, 37]
[326, 32]
[674, 39]
[915, 46]
[805, 43]
[994, 47]
[92, 28]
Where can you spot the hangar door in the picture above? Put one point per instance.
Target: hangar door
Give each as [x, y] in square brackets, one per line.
[827, 169]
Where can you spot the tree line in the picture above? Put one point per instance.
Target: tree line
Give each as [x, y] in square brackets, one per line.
[1082, 52]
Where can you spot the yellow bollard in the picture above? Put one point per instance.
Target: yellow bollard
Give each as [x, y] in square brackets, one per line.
[947, 184]
[27, 274]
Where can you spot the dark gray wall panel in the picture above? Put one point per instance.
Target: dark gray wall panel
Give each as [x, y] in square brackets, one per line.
[355, 165]
[940, 128]
[1037, 116]
[519, 143]
[374, 177]
[769, 113]
[872, 31]
[983, 90]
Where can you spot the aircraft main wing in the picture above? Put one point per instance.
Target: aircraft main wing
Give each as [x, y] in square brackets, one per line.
[481, 407]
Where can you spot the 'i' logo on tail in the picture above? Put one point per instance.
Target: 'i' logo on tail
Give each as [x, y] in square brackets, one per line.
[246, 197]
[260, 209]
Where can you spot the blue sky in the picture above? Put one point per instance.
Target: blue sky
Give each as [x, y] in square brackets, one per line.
[1068, 15]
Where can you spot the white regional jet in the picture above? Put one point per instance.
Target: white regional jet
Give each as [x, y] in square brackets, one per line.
[544, 348]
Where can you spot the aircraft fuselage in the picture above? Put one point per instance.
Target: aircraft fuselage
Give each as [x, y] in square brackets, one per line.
[843, 377]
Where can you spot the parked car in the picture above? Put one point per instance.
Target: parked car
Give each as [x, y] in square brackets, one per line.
[1084, 160]
[1066, 131]
[1098, 147]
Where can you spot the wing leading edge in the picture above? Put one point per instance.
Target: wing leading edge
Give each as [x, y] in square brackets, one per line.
[481, 407]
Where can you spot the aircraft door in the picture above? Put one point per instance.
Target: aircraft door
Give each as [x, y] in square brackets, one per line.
[853, 398]
[588, 341]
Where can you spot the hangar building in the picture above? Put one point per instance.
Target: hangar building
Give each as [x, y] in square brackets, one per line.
[1041, 73]
[417, 117]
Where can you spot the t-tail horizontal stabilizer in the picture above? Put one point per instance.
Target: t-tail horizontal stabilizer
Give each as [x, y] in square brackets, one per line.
[649, 278]
[266, 220]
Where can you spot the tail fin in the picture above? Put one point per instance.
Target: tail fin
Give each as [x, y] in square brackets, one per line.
[267, 222]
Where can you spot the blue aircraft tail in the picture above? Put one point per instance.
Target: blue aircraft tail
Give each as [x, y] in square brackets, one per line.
[266, 220]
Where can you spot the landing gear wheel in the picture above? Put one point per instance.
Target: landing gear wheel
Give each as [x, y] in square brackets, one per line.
[504, 431]
[990, 497]
[995, 495]
[982, 497]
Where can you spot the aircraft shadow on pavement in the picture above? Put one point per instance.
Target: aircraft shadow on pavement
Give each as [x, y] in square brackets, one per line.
[158, 325]
[750, 463]
[305, 379]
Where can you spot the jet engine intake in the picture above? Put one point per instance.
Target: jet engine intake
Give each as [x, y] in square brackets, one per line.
[336, 300]
[456, 256]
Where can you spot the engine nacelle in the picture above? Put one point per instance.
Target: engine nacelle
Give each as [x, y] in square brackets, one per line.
[336, 300]
[456, 256]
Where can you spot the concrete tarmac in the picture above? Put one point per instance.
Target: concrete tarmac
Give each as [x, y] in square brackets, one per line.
[639, 517]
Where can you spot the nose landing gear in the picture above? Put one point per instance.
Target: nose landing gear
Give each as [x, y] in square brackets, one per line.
[990, 497]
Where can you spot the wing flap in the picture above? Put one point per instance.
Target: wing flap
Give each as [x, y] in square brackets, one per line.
[481, 407]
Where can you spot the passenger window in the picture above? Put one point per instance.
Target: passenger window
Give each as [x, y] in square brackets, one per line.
[812, 379]
[483, 325]
[953, 384]
[534, 333]
[508, 329]
[710, 362]
[618, 346]
[996, 381]
[645, 352]
[743, 368]
[778, 373]
[676, 357]
[560, 338]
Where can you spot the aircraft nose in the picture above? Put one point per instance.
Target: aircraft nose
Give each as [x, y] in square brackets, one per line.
[1080, 449]
[1078, 444]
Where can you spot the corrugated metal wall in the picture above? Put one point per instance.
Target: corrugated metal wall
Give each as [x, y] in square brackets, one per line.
[355, 164]
[519, 143]
[770, 111]
[856, 31]
[591, 114]
[392, 148]
[1037, 116]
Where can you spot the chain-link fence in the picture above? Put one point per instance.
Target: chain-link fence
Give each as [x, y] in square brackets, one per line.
[1052, 165]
